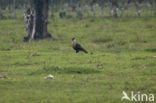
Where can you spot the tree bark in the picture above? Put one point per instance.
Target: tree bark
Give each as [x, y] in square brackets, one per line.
[14, 7]
[45, 20]
[37, 25]
[115, 8]
[138, 7]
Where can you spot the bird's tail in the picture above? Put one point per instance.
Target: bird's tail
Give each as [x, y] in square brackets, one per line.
[84, 50]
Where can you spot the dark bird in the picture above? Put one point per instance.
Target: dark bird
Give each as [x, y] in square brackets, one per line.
[77, 47]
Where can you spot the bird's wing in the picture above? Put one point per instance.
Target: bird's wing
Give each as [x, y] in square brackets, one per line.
[78, 46]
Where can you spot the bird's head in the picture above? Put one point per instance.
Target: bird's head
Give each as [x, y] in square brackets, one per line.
[73, 39]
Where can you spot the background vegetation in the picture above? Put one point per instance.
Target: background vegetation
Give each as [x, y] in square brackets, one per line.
[82, 8]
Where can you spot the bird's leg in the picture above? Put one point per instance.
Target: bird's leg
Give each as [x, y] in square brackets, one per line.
[77, 51]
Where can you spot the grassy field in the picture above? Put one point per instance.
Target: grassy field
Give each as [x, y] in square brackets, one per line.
[120, 59]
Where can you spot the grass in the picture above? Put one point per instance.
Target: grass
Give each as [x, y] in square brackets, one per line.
[119, 59]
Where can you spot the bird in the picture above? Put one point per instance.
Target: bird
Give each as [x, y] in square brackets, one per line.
[77, 47]
[125, 96]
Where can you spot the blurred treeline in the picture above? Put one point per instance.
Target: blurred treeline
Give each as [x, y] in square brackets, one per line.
[12, 9]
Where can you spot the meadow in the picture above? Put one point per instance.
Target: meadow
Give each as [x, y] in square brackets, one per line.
[120, 59]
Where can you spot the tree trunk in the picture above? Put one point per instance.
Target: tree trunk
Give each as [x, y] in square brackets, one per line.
[138, 7]
[122, 12]
[151, 3]
[14, 6]
[45, 20]
[37, 25]
[115, 8]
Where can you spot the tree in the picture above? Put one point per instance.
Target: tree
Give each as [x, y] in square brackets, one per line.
[115, 7]
[37, 20]
[138, 6]
[14, 6]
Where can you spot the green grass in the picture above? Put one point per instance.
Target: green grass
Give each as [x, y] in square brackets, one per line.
[119, 59]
